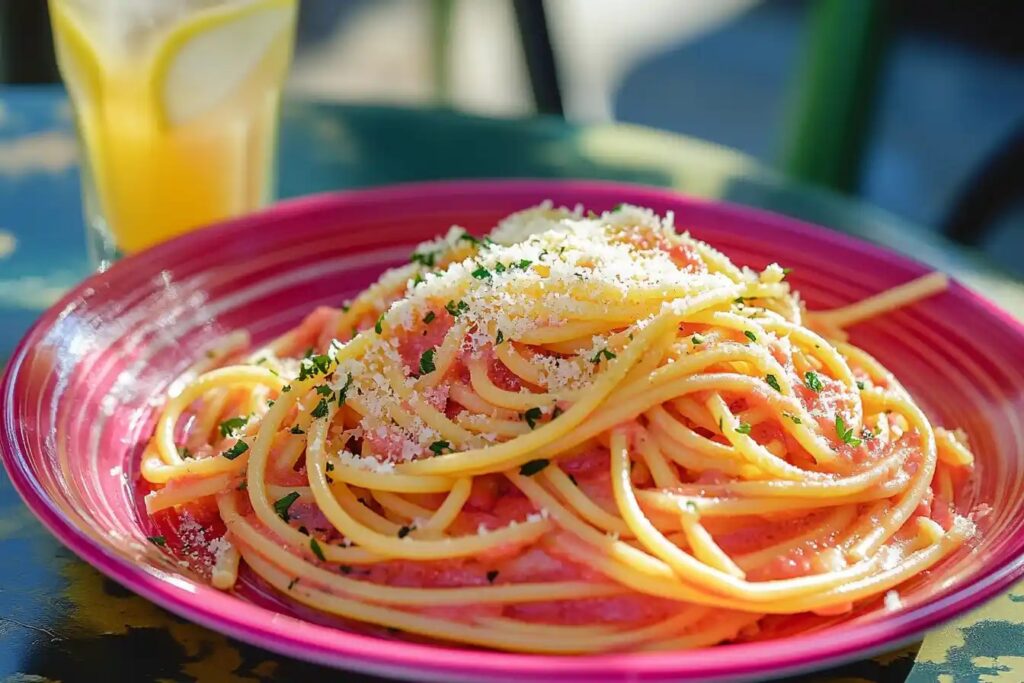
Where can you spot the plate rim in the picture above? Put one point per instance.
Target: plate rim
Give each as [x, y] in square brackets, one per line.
[260, 626]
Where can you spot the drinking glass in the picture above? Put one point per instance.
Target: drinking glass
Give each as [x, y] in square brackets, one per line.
[176, 106]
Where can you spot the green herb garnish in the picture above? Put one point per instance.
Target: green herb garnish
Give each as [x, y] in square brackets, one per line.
[533, 467]
[157, 540]
[229, 427]
[773, 382]
[532, 416]
[429, 317]
[845, 433]
[311, 366]
[343, 392]
[315, 547]
[456, 309]
[439, 447]
[424, 258]
[281, 505]
[321, 409]
[750, 335]
[743, 428]
[608, 355]
[236, 450]
[427, 362]
[812, 381]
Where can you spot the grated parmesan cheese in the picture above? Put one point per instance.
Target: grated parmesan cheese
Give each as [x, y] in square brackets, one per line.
[526, 276]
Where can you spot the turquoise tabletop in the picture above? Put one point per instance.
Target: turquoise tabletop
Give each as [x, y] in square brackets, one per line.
[60, 620]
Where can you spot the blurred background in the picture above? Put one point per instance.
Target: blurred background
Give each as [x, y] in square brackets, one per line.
[916, 106]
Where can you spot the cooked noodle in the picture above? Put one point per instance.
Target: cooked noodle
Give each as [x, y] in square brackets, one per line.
[578, 434]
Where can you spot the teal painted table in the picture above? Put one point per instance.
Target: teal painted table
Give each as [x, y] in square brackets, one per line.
[62, 621]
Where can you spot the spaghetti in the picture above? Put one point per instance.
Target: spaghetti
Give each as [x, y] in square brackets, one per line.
[581, 433]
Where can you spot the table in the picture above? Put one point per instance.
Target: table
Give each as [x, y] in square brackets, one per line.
[60, 620]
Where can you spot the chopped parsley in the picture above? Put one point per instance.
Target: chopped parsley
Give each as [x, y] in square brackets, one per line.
[500, 268]
[236, 450]
[750, 335]
[184, 452]
[617, 207]
[532, 416]
[492, 575]
[378, 327]
[291, 584]
[608, 355]
[786, 271]
[439, 447]
[343, 392]
[404, 531]
[424, 258]
[743, 428]
[845, 433]
[481, 273]
[315, 547]
[417, 280]
[157, 540]
[455, 309]
[229, 427]
[812, 381]
[323, 390]
[524, 263]
[860, 385]
[500, 339]
[696, 339]
[533, 467]
[286, 388]
[311, 366]
[773, 382]
[427, 362]
[296, 429]
[429, 317]
[321, 409]
[465, 236]
[793, 418]
[281, 505]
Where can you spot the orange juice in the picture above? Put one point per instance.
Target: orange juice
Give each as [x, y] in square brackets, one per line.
[176, 104]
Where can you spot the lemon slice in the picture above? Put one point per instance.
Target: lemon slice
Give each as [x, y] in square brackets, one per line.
[210, 56]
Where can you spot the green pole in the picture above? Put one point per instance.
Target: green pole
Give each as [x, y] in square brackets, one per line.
[837, 93]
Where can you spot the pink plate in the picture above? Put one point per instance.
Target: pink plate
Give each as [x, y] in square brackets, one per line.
[78, 401]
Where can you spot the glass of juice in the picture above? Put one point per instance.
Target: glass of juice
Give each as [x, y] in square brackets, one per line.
[176, 104]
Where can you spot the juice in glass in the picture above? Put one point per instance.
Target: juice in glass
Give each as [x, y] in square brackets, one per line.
[176, 103]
